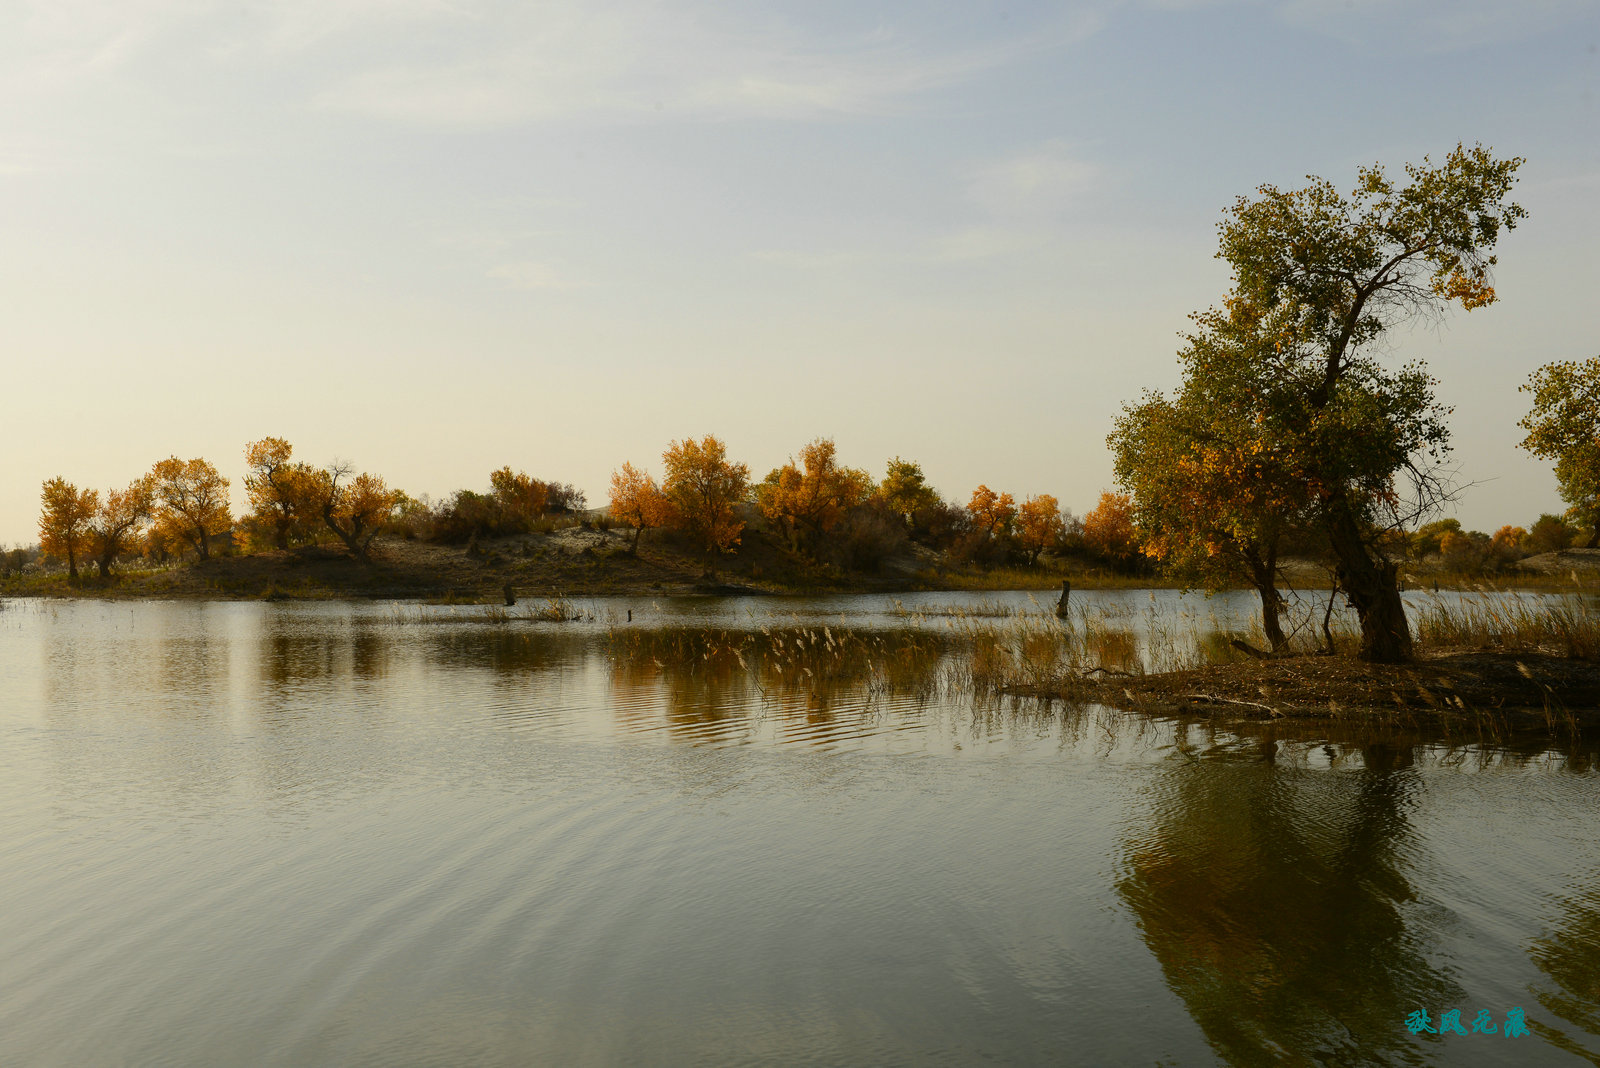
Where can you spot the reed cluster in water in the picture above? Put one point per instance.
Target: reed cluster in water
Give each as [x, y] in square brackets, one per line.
[555, 609]
[1511, 622]
[787, 658]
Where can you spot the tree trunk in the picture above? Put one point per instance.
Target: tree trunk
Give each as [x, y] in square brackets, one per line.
[353, 541]
[1373, 587]
[1265, 573]
[638, 530]
[1594, 538]
[1271, 624]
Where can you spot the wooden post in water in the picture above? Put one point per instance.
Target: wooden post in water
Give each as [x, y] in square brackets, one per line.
[1061, 605]
[511, 595]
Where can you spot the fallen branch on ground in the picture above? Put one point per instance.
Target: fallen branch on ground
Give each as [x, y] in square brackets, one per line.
[1214, 699]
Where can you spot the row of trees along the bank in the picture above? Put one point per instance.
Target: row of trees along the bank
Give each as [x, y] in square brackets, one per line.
[181, 507]
[834, 514]
[839, 515]
[1287, 417]
[178, 503]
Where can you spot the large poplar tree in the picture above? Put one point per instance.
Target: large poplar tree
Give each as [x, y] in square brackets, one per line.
[1335, 274]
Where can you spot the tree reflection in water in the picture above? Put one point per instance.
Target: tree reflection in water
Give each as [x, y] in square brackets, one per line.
[1277, 903]
[1569, 956]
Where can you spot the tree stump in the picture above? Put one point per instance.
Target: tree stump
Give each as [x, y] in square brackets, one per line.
[1061, 605]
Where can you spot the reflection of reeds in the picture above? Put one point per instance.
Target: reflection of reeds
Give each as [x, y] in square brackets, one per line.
[972, 654]
[785, 658]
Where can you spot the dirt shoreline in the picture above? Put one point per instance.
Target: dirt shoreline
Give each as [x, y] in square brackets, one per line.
[1463, 690]
[572, 562]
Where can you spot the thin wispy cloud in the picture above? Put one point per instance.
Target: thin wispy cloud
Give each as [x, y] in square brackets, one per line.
[17, 159]
[471, 62]
[529, 275]
[1036, 184]
[50, 47]
[577, 59]
[1014, 204]
[1428, 25]
[291, 25]
[983, 243]
[1425, 26]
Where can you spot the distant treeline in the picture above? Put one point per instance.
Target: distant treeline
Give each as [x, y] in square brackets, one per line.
[836, 516]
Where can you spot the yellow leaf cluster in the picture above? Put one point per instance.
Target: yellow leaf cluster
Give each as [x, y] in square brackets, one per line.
[808, 499]
[992, 513]
[705, 490]
[637, 501]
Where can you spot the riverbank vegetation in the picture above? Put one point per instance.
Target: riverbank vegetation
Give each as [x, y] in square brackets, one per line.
[812, 524]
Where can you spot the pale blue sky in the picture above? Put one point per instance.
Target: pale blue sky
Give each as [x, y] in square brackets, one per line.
[439, 237]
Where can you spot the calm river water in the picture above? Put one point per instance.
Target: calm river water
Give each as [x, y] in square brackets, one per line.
[291, 834]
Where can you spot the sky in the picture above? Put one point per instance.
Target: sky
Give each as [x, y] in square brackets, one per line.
[437, 237]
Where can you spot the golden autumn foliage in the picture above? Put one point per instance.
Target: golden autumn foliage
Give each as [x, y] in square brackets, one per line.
[116, 524]
[807, 500]
[705, 490]
[1040, 525]
[1221, 473]
[64, 517]
[281, 495]
[1108, 529]
[191, 502]
[1469, 291]
[521, 498]
[637, 501]
[1215, 483]
[1509, 540]
[992, 513]
[355, 507]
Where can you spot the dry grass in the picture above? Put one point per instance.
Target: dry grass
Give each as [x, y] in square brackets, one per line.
[982, 651]
[1530, 581]
[981, 610]
[1511, 622]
